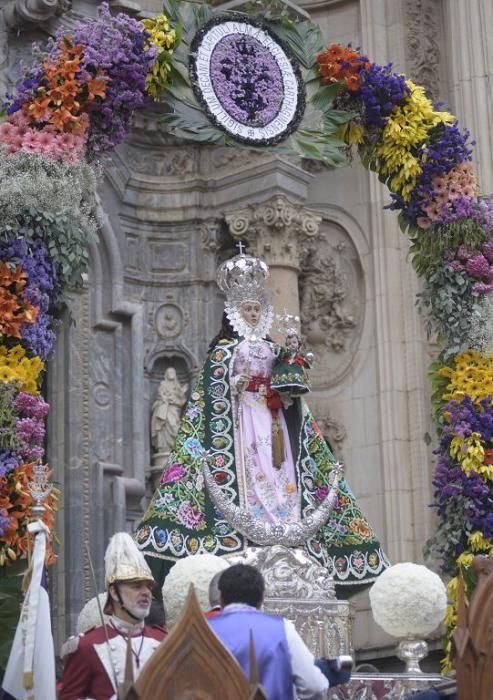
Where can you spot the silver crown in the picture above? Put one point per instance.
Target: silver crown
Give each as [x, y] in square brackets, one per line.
[243, 278]
[242, 272]
[287, 324]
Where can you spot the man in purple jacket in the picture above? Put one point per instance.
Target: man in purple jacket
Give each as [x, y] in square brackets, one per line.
[285, 665]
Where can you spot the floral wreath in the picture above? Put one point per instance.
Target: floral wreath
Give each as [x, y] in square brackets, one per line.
[247, 80]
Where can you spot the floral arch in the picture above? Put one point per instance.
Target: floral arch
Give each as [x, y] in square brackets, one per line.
[75, 104]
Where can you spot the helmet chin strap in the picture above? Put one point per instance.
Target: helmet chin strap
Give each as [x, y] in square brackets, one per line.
[122, 604]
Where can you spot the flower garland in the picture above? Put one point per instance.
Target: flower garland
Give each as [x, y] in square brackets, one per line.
[74, 105]
[423, 157]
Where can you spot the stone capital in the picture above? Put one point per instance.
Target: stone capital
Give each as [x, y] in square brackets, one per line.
[275, 229]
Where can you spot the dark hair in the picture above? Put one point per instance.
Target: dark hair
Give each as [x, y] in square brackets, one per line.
[226, 332]
[242, 583]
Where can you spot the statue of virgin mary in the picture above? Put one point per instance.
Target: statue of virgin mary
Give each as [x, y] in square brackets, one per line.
[268, 476]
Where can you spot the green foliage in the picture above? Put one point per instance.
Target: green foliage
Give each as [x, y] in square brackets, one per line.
[452, 530]
[66, 236]
[303, 38]
[10, 603]
[439, 385]
[449, 307]
[428, 247]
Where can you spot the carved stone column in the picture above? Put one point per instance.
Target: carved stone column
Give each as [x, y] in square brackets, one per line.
[275, 230]
[471, 74]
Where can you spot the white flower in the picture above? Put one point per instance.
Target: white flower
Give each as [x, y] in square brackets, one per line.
[198, 569]
[408, 600]
[89, 616]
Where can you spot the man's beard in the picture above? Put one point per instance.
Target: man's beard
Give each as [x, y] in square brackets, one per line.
[138, 611]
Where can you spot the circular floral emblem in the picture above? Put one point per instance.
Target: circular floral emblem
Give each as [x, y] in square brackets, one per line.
[246, 80]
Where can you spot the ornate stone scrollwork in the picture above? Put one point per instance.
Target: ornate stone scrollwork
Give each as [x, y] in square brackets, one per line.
[334, 431]
[325, 290]
[276, 229]
[422, 49]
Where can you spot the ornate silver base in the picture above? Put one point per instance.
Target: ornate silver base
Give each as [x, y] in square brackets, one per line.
[302, 591]
[412, 651]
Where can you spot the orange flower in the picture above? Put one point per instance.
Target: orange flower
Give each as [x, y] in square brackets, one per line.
[96, 88]
[352, 82]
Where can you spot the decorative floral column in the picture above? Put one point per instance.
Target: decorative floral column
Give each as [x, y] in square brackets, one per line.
[275, 231]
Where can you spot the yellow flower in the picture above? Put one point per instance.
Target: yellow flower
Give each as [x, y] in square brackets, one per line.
[406, 128]
[452, 587]
[478, 543]
[354, 133]
[465, 559]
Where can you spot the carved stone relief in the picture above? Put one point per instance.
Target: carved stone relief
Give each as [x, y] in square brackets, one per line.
[331, 303]
[172, 162]
[276, 229]
[334, 431]
[422, 49]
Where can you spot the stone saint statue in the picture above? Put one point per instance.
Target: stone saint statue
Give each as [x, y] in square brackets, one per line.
[166, 411]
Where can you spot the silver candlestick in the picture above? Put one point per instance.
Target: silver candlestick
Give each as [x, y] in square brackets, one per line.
[39, 488]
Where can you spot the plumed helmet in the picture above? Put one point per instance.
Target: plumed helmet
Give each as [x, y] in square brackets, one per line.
[124, 561]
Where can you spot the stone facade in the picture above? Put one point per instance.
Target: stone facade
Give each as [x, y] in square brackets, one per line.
[170, 212]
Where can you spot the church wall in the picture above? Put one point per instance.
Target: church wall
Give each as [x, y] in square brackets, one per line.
[150, 299]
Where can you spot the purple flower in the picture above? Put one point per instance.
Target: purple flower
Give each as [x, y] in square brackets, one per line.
[477, 266]
[174, 473]
[382, 90]
[488, 250]
[5, 522]
[31, 406]
[8, 461]
[247, 80]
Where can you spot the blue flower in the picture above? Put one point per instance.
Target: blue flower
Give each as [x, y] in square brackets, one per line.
[193, 447]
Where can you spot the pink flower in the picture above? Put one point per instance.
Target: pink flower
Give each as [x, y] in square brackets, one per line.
[439, 185]
[423, 222]
[188, 516]
[174, 473]
[322, 492]
[7, 132]
[477, 266]
[456, 266]
[463, 252]
[482, 288]
[488, 250]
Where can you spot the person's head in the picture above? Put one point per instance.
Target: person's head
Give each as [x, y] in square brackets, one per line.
[129, 580]
[251, 311]
[242, 583]
[292, 341]
[214, 592]
[170, 374]
[131, 600]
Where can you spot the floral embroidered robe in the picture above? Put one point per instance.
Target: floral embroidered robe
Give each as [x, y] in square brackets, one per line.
[181, 518]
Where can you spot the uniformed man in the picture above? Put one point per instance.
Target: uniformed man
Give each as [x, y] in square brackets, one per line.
[95, 661]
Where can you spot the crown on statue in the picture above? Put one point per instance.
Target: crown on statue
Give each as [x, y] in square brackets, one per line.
[287, 324]
[242, 275]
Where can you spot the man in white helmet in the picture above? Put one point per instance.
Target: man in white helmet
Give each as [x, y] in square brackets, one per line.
[95, 665]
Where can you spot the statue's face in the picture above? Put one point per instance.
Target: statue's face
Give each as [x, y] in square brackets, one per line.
[170, 373]
[292, 342]
[251, 312]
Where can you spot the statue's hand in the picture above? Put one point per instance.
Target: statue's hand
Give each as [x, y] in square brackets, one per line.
[240, 382]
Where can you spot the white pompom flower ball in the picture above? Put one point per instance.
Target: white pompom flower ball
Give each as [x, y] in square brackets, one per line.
[408, 600]
[198, 569]
[90, 615]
